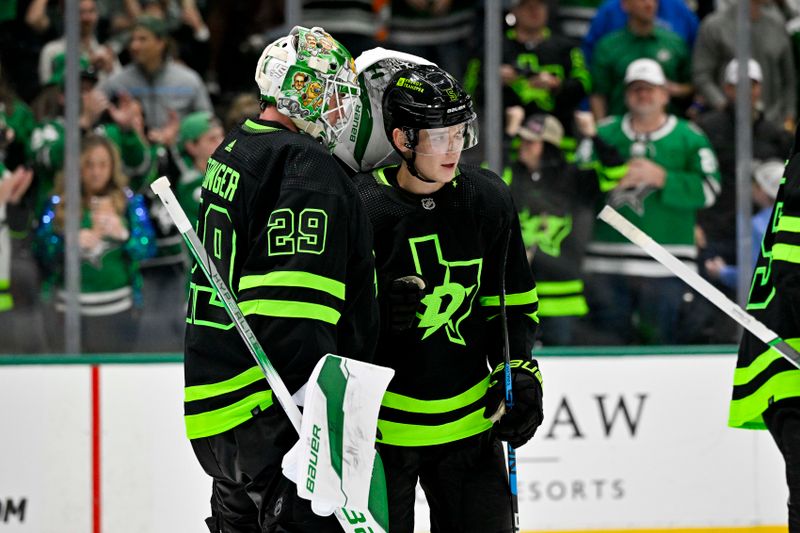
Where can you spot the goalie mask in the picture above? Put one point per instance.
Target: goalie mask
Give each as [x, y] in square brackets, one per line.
[309, 77]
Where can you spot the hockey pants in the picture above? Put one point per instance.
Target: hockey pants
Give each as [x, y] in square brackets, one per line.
[783, 421]
[249, 492]
[465, 483]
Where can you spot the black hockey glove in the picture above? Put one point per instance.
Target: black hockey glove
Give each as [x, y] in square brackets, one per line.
[401, 301]
[517, 425]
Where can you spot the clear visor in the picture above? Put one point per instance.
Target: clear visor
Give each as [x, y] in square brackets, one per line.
[339, 101]
[452, 139]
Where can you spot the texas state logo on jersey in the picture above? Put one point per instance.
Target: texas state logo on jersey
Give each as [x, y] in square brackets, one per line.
[453, 286]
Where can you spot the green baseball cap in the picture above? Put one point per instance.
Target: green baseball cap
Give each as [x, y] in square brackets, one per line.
[194, 126]
[86, 69]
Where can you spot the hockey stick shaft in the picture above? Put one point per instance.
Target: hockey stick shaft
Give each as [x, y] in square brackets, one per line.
[351, 521]
[612, 217]
[279, 390]
[512, 453]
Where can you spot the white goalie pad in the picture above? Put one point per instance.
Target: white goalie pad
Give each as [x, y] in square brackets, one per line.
[332, 462]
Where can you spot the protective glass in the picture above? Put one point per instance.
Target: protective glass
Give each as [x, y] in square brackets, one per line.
[451, 139]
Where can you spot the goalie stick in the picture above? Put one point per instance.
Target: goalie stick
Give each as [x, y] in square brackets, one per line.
[350, 520]
[612, 217]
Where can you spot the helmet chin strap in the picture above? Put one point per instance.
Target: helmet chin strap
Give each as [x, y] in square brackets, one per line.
[412, 168]
[411, 143]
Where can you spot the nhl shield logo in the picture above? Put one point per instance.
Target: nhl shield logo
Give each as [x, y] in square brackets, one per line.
[428, 203]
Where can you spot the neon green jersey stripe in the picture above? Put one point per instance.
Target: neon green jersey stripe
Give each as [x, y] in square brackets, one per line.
[786, 252]
[413, 405]
[747, 412]
[521, 298]
[744, 375]
[415, 435]
[4, 284]
[557, 288]
[6, 302]
[201, 392]
[219, 420]
[287, 278]
[287, 309]
[256, 127]
[570, 306]
[790, 224]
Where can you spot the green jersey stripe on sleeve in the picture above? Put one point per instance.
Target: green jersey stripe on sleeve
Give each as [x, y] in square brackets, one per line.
[522, 298]
[789, 224]
[786, 252]
[287, 278]
[201, 392]
[220, 420]
[744, 375]
[289, 309]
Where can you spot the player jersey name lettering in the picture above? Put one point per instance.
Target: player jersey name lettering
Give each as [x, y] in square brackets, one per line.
[221, 179]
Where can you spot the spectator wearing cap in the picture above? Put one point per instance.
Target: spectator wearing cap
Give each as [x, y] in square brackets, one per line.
[770, 141]
[641, 38]
[167, 90]
[165, 275]
[101, 57]
[199, 136]
[771, 48]
[671, 174]
[555, 203]
[766, 181]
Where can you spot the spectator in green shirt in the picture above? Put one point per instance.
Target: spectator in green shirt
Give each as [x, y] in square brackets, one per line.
[640, 39]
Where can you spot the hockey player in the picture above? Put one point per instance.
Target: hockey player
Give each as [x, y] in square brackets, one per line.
[286, 230]
[766, 387]
[446, 227]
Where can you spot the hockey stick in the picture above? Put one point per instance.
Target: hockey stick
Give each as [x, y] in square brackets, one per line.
[612, 217]
[351, 521]
[512, 453]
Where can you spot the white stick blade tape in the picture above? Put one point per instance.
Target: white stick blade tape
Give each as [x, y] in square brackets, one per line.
[162, 189]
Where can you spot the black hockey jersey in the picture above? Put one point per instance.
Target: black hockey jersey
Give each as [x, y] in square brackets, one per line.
[285, 228]
[555, 55]
[454, 239]
[556, 212]
[762, 376]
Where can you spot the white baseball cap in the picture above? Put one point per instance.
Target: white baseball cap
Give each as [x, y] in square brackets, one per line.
[753, 71]
[768, 175]
[647, 70]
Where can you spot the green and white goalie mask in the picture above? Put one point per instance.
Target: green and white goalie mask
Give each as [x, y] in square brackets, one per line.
[364, 146]
[311, 78]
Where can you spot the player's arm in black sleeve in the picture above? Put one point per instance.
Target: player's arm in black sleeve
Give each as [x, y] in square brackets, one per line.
[785, 221]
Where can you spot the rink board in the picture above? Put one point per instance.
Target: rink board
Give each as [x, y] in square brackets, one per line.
[629, 443]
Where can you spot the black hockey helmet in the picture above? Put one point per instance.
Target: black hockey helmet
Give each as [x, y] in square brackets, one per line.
[425, 97]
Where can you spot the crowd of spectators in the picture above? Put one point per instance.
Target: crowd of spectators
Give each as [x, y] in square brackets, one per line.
[627, 102]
